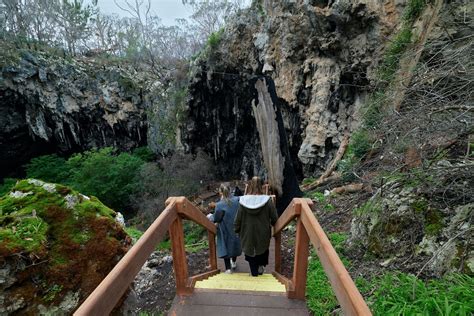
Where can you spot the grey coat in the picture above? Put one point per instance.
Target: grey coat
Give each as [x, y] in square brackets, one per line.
[228, 243]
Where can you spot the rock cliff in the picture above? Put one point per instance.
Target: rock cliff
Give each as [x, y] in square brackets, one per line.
[320, 55]
[50, 104]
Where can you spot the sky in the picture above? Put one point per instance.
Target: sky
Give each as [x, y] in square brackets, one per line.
[167, 10]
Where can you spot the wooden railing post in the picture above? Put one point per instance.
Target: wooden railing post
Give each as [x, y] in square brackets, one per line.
[278, 252]
[301, 262]
[180, 264]
[212, 250]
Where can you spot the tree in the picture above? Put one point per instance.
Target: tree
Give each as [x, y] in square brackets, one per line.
[72, 16]
[209, 16]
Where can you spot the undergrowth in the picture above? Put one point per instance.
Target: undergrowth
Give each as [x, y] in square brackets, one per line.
[397, 293]
[376, 108]
[394, 293]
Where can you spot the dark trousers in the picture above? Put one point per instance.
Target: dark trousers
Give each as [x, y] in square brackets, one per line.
[227, 262]
[255, 262]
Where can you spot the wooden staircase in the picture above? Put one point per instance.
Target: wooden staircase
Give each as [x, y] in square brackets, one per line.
[256, 299]
[215, 293]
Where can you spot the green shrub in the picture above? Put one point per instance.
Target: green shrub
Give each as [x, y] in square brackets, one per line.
[215, 38]
[112, 178]
[144, 153]
[49, 168]
[361, 143]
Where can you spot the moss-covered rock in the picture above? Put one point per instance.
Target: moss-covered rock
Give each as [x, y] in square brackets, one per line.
[406, 222]
[55, 244]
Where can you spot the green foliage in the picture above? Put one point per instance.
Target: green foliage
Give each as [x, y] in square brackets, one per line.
[360, 143]
[321, 199]
[319, 294]
[373, 111]
[368, 207]
[195, 237]
[112, 177]
[134, 233]
[52, 292]
[390, 63]
[215, 38]
[308, 180]
[144, 153]
[404, 294]
[8, 184]
[413, 10]
[164, 245]
[50, 168]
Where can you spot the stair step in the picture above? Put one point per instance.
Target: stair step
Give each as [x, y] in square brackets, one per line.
[242, 282]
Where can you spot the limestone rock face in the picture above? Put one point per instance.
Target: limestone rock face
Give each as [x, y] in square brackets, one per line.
[50, 104]
[320, 55]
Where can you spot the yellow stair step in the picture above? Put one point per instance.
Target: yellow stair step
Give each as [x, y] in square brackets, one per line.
[242, 282]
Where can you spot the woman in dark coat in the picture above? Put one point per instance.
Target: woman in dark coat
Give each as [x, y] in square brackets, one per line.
[228, 243]
[254, 221]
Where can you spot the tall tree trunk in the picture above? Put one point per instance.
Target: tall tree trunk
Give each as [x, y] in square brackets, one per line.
[274, 142]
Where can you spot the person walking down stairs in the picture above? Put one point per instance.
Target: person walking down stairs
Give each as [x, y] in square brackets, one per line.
[228, 242]
[254, 221]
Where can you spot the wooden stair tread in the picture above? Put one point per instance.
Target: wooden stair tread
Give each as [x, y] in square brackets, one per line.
[246, 304]
[242, 282]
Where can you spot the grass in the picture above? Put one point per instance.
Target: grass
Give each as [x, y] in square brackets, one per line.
[414, 10]
[134, 233]
[319, 294]
[394, 293]
[321, 199]
[395, 50]
[397, 293]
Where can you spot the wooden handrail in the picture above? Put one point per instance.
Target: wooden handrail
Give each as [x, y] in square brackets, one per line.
[309, 229]
[104, 298]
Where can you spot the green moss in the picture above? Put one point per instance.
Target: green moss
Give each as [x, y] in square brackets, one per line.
[127, 84]
[26, 222]
[52, 292]
[420, 206]
[23, 234]
[433, 221]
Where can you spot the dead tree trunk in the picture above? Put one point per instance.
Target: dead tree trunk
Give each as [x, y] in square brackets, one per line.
[274, 144]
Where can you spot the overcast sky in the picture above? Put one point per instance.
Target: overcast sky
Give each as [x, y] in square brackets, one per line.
[167, 10]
